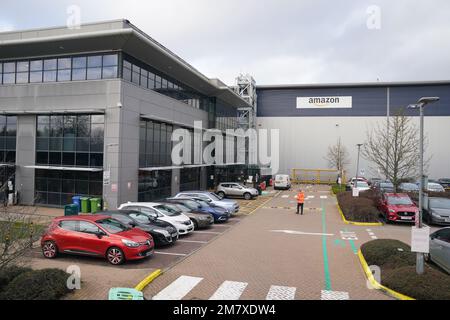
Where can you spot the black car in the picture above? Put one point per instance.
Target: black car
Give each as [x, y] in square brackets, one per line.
[163, 233]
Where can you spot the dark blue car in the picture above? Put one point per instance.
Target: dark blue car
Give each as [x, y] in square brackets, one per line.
[198, 205]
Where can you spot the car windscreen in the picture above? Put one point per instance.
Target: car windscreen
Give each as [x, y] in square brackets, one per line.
[440, 203]
[112, 225]
[214, 196]
[182, 207]
[386, 185]
[168, 210]
[191, 204]
[409, 186]
[361, 184]
[399, 201]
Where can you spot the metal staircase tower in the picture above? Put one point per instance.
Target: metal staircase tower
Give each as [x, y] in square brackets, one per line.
[246, 88]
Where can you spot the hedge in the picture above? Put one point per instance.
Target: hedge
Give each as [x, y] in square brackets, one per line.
[9, 273]
[359, 209]
[46, 284]
[398, 270]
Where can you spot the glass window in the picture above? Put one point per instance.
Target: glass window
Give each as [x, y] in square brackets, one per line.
[64, 63]
[9, 78]
[36, 65]
[79, 63]
[127, 74]
[96, 160]
[69, 225]
[49, 76]
[22, 77]
[68, 158]
[94, 61]
[9, 67]
[144, 78]
[82, 159]
[50, 64]
[43, 126]
[23, 66]
[109, 72]
[88, 227]
[35, 76]
[64, 75]
[79, 74]
[94, 73]
[110, 60]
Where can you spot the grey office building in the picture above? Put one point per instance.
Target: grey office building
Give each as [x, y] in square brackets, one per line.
[90, 111]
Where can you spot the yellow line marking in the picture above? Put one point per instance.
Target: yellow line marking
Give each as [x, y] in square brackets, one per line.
[152, 276]
[263, 203]
[357, 223]
[376, 284]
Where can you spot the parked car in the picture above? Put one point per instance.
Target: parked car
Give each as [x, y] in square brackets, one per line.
[160, 211]
[232, 189]
[440, 249]
[197, 205]
[397, 207]
[351, 182]
[445, 182]
[282, 181]
[231, 205]
[96, 236]
[371, 181]
[200, 220]
[408, 187]
[361, 186]
[162, 232]
[383, 187]
[437, 211]
[435, 187]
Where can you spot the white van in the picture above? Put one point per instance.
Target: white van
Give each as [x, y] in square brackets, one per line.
[282, 181]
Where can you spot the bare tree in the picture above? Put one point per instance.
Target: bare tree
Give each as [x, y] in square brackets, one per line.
[393, 148]
[18, 232]
[337, 156]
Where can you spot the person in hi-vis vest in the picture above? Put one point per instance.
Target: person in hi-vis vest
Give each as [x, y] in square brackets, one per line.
[300, 201]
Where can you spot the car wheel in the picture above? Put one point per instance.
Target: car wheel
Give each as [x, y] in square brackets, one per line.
[247, 196]
[221, 194]
[427, 257]
[115, 256]
[49, 249]
[195, 224]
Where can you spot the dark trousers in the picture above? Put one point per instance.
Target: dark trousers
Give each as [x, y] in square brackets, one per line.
[299, 205]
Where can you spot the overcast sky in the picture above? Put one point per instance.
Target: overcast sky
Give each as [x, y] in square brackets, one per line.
[277, 41]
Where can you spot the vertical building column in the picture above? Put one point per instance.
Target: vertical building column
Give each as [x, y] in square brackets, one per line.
[25, 156]
[111, 158]
[175, 181]
[203, 178]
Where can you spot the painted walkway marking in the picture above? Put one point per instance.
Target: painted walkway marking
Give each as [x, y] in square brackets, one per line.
[326, 267]
[285, 196]
[303, 233]
[229, 290]
[281, 293]
[178, 289]
[323, 197]
[192, 241]
[334, 295]
[207, 232]
[171, 254]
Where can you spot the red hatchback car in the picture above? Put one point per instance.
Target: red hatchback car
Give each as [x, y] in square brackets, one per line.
[398, 207]
[97, 236]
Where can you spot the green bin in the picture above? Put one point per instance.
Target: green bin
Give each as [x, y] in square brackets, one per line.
[85, 205]
[96, 205]
[125, 294]
[71, 209]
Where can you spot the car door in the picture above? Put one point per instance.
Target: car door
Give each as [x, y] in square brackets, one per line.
[68, 237]
[440, 248]
[89, 241]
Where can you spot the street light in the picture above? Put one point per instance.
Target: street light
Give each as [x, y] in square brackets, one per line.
[359, 145]
[420, 105]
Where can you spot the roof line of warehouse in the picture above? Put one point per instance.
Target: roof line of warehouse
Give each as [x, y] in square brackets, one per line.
[353, 84]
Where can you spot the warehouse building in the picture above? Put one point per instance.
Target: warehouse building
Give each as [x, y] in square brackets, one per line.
[314, 117]
[90, 111]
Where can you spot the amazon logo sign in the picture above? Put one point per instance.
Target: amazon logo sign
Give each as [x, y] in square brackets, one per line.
[324, 102]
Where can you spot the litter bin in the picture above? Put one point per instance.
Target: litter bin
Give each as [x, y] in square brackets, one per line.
[85, 205]
[96, 205]
[76, 200]
[71, 210]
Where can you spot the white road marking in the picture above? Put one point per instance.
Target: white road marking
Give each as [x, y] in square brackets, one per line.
[222, 225]
[171, 254]
[178, 289]
[368, 230]
[303, 233]
[281, 293]
[192, 241]
[348, 235]
[310, 197]
[208, 232]
[334, 295]
[371, 234]
[323, 197]
[229, 290]
[285, 196]
[374, 237]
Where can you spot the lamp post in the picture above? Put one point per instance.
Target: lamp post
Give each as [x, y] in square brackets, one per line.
[359, 145]
[420, 105]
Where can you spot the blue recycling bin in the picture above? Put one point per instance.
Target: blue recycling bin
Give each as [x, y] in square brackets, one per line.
[77, 200]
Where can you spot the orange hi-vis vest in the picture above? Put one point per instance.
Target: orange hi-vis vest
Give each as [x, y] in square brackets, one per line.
[300, 197]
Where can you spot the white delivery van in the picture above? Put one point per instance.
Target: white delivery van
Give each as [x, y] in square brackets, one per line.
[282, 181]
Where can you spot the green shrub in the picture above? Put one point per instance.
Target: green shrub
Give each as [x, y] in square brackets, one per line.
[9, 273]
[431, 285]
[46, 284]
[335, 188]
[358, 209]
[385, 253]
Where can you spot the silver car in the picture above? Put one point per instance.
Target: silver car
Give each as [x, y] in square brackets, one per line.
[440, 249]
[230, 205]
[232, 189]
[437, 211]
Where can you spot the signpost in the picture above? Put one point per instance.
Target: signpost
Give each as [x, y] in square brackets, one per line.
[420, 240]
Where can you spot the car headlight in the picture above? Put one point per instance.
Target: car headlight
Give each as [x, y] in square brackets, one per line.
[391, 210]
[165, 233]
[130, 243]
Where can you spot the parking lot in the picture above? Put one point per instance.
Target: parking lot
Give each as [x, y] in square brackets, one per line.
[98, 276]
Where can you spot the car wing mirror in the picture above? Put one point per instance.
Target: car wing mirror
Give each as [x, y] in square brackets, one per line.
[100, 234]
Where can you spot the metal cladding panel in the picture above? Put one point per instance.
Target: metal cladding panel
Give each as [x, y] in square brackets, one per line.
[367, 101]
